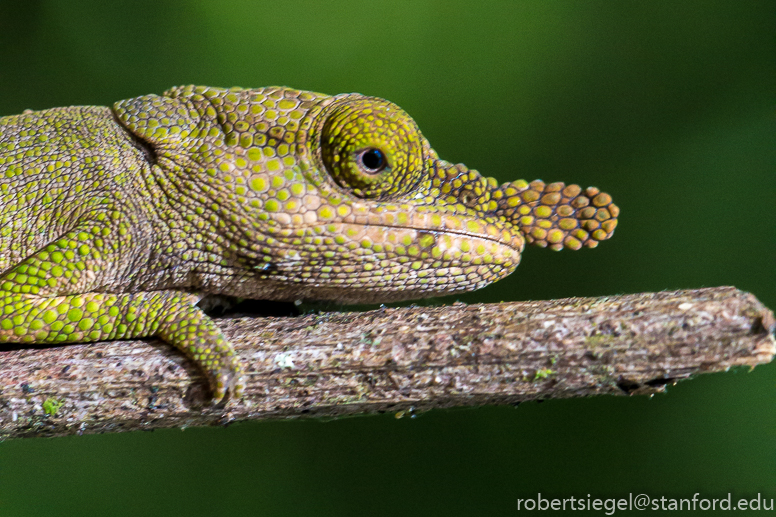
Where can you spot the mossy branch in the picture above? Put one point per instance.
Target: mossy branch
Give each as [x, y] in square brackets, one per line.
[393, 360]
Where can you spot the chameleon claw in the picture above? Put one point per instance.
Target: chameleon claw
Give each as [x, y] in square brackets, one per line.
[227, 381]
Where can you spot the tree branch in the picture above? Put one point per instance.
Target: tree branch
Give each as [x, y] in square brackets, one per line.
[393, 360]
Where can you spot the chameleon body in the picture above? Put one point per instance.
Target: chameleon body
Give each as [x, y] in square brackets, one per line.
[114, 221]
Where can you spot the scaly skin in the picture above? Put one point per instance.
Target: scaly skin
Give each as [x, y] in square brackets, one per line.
[116, 220]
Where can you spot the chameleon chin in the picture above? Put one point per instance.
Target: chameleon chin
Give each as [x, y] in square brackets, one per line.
[116, 219]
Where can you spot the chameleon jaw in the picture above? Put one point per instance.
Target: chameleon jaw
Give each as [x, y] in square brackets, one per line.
[404, 263]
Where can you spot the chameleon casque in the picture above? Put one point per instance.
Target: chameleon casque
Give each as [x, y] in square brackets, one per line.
[115, 221]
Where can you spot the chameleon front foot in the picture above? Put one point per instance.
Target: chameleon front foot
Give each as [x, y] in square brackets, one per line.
[193, 332]
[216, 359]
[169, 315]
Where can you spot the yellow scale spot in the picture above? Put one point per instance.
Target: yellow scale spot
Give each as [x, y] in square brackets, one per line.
[427, 241]
[602, 200]
[274, 165]
[551, 199]
[258, 184]
[543, 211]
[572, 191]
[530, 196]
[74, 314]
[580, 202]
[567, 224]
[555, 236]
[564, 211]
[254, 154]
[325, 212]
[572, 243]
[474, 226]
[297, 189]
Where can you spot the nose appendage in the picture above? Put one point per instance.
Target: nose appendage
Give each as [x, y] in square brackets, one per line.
[553, 215]
[557, 215]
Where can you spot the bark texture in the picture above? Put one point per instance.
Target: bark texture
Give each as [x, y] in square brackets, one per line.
[392, 360]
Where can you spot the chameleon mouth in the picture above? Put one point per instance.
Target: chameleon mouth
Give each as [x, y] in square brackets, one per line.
[388, 273]
[419, 231]
[366, 261]
[513, 241]
[420, 250]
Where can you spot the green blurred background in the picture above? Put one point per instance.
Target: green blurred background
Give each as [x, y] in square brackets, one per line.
[669, 106]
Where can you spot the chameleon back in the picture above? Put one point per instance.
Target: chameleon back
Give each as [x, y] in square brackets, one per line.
[55, 167]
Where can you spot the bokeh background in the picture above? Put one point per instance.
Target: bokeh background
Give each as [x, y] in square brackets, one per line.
[669, 106]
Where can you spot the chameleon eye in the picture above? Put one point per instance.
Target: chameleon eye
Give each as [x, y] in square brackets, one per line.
[372, 160]
[371, 147]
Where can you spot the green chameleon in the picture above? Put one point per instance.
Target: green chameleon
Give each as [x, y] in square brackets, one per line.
[116, 221]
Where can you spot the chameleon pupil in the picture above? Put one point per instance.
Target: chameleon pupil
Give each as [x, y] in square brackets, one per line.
[373, 160]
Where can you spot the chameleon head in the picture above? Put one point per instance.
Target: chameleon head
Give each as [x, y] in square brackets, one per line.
[313, 196]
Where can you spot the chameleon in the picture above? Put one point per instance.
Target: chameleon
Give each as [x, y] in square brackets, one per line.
[116, 221]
